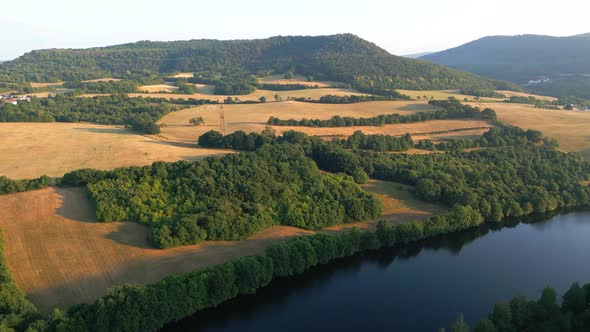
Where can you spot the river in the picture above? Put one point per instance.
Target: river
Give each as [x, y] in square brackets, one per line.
[419, 288]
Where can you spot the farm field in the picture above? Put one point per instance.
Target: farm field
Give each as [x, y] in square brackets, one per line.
[206, 92]
[60, 256]
[279, 79]
[522, 94]
[254, 118]
[104, 79]
[53, 149]
[42, 85]
[442, 94]
[570, 128]
[157, 88]
[183, 75]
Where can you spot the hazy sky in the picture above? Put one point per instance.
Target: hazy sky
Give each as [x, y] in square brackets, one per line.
[401, 27]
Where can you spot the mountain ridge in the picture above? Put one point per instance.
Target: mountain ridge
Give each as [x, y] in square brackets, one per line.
[343, 57]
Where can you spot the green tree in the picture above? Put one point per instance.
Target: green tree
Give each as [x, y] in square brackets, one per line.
[460, 325]
[485, 325]
[502, 317]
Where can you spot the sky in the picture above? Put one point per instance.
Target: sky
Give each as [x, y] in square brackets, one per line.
[401, 27]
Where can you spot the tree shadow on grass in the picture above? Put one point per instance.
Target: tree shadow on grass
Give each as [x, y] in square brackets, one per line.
[75, 204]
[118, 131]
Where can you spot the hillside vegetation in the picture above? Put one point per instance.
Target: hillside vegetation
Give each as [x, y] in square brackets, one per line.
[519, 59]
[343, 58]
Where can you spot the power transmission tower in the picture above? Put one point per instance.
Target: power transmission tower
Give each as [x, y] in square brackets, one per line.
[222, 120]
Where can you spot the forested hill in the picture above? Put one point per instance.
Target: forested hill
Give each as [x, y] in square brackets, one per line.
[344, 58]
[519, 58]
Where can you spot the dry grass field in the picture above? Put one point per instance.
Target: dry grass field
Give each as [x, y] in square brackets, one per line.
[183, 75]
[442, 94]
[280, 79]
[34, 149]
[445, 94]
[105, 79]
[157, 88]
[522, 94]
[60, 256]
[206, 92]
[254, 117]
[42, 85]
[570, 128]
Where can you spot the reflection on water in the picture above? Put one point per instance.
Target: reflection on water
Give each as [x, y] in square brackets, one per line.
[420, 287]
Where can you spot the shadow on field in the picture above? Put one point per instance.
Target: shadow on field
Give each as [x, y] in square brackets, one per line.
[416, 107]
[177, 144]
[75, 204]
[131, 234]
[118, 131]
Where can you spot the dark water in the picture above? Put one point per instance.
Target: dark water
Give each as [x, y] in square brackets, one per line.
[421, 288]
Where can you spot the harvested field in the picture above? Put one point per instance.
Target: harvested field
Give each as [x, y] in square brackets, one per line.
[42, 85]
[523, 94]
[422, 130]
[53, 149]
[279, 79]
[106, 79]
[60, 256]
[254, 117]
[183, 75]
[570, 128]
[442, 94]
[157, 88]
[206, 92]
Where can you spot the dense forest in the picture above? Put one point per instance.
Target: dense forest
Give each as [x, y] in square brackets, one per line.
[545, 314]
[137, 113]
[498, 182]
[227, 198]
[110, 87]
[343, 58]
[500, 135]
[451, 109]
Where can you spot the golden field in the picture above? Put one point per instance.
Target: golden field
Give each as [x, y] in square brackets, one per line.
[570, 128]
[60, 256]
[53, 149]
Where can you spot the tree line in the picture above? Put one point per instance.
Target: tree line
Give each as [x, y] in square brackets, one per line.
[489, 93]
[137, 113]
[8, 186]
[500, 135]
[358, 140]
[285, 87]
[570, 314]
[351, 99]
[228, 198]
[150, 307]
[107, 87]
[452, 109]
